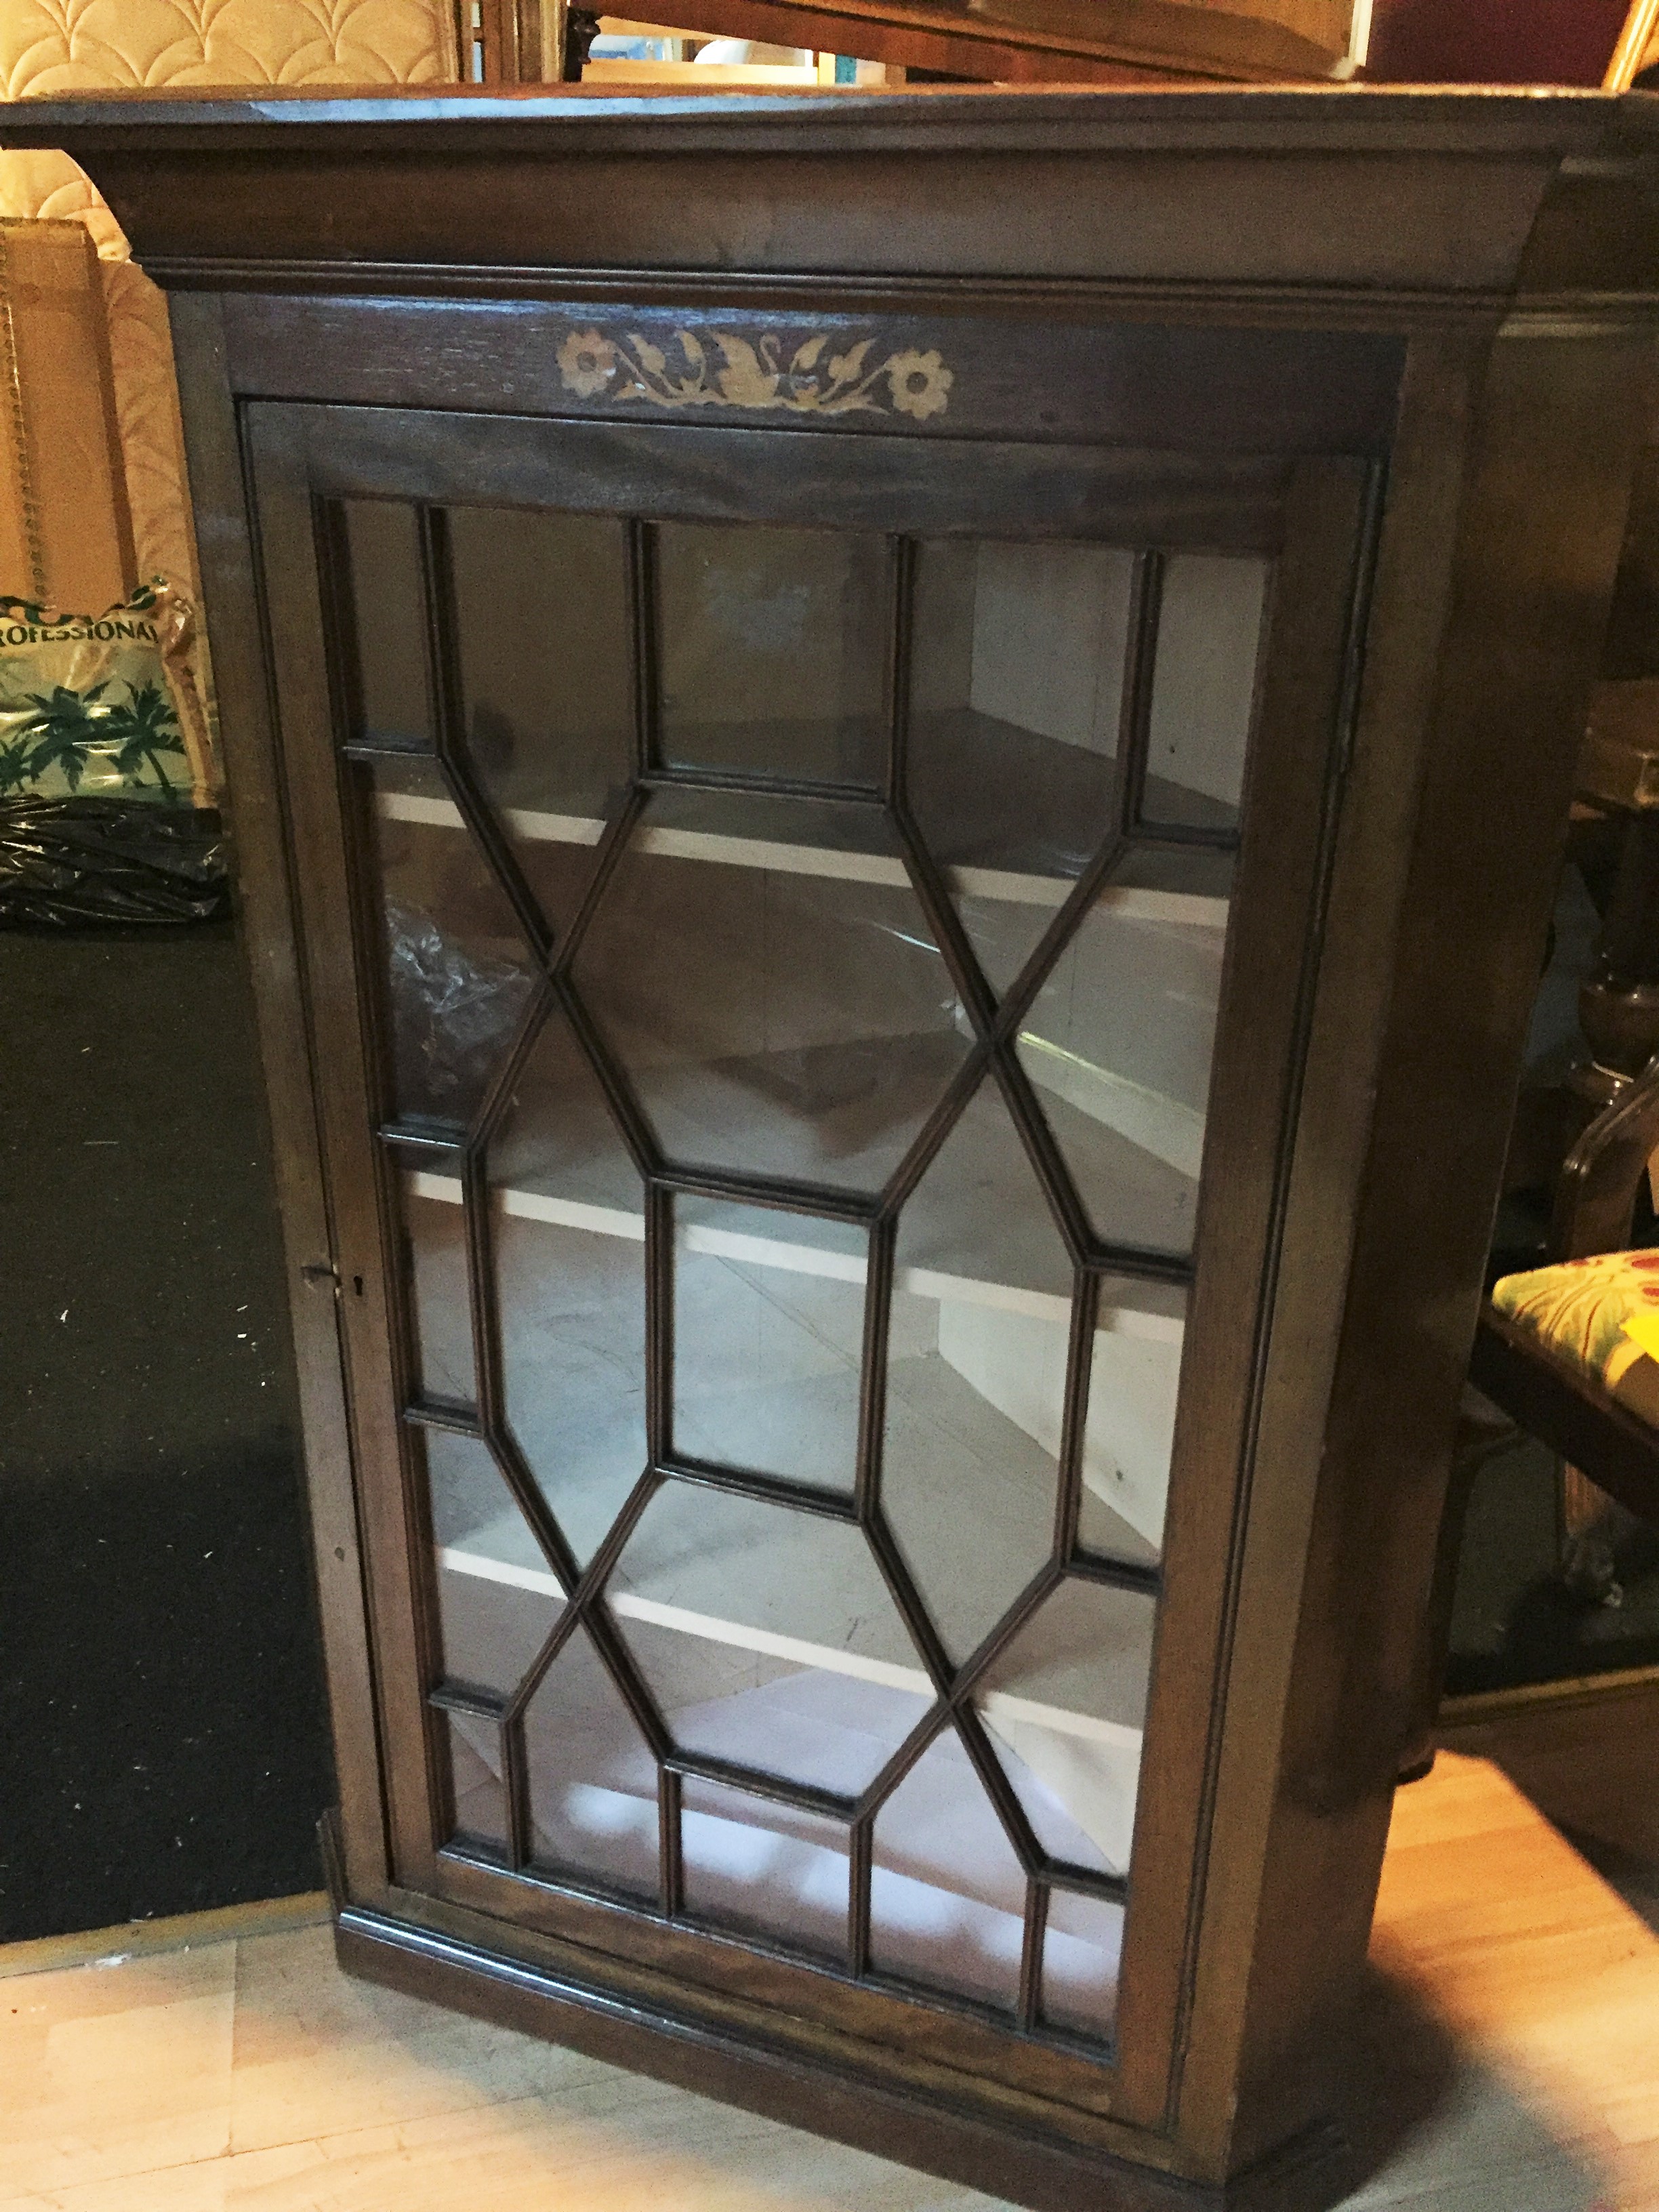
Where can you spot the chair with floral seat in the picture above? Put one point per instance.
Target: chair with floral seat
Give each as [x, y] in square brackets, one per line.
[1568, 1352]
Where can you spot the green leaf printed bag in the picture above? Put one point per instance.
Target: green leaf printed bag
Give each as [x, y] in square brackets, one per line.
[103, 706]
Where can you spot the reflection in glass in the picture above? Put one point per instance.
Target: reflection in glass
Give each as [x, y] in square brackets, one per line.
[768, 1636]
[762, 970]
[764, 1869]
[772, 650]
[1081, 1950]
[1064, 1707]
[388, 609]
[768, 1326]
[475, 1764]
[976, 1375]
[542, 631]
[947, 1894]
[432, 1236]
[1209, 638]
[593, 1779]
[457, 967]
[497, 1597]
[569, 1228]
[1118, 1044]
[1016, 687]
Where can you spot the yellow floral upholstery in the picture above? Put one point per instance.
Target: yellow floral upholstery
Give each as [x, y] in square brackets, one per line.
[1579, 1312]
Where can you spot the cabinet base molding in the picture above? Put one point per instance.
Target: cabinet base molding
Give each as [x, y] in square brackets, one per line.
[1310, 2174]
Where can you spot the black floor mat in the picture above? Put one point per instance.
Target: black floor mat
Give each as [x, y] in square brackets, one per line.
[165, 1747]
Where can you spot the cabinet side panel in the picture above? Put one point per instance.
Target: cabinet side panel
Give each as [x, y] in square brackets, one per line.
[1413, 575]
[1554, 439]
[1293, 783]
[232, 594]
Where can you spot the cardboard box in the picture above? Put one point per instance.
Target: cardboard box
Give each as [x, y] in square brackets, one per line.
[65, 531]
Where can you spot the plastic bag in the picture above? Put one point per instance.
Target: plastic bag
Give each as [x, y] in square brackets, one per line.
[106, 782]
[454, 1011]
[67, 861]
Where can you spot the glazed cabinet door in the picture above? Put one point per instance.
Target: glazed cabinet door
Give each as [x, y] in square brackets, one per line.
[806, 935]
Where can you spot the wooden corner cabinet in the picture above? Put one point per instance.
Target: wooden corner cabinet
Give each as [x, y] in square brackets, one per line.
[897, 761]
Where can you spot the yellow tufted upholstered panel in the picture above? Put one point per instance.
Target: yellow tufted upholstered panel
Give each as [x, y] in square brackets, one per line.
[58, 47]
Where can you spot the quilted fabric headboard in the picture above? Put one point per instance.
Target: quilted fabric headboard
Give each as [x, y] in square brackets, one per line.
[58, 47]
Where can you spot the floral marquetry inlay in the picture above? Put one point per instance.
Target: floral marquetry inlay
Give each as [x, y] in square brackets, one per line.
[722, 370]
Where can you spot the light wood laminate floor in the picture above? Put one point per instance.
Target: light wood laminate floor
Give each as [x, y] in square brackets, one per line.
[1509, 2063]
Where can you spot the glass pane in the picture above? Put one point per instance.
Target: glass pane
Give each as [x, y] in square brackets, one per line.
[1209, 644]
[1134, 1382]
[543, 630]
[772, 651]
[1081, 1948]
[432, 1231]
[475, 1767]
[1015, 687]
[1118, 1043]
[497, 1597]
[762, 969]
[457, 968]
[593, 1779]
[1065, 1707]
[947, 1894]
[570, 1242]
[542, 624]
[765, 1870]
[769, 1327]
[767, 1638]
[976, 1376]
[388, 607]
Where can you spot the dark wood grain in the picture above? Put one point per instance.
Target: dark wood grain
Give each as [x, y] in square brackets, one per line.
[686, 472]
[1037, 372]
[330, 911]
[253, 762]
[1346, 188]
[1292, 799]
[1400, 343]
[1412, 572]
[1554, 434]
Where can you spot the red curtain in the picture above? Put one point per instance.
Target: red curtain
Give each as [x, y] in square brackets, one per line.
[1493, 41]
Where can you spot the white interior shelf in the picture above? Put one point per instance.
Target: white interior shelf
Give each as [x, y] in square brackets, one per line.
[1009, 885]
[1083, 1763]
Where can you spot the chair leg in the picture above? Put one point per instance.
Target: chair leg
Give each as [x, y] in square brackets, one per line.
[1591, 1527]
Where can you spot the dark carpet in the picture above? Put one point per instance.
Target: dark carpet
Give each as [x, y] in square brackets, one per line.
[165, 1747]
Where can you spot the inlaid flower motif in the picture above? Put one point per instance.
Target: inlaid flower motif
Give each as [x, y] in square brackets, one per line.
[758, 371]
[587, 361]
[919, 383]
